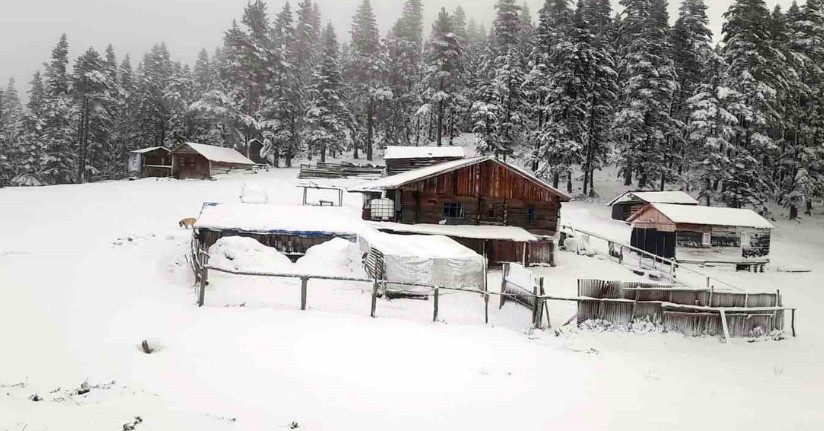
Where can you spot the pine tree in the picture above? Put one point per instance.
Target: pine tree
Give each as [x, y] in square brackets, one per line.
[327, 117]
[643, 122]
[444, 64]
[366, 68]
[404, 73]
[57, 124]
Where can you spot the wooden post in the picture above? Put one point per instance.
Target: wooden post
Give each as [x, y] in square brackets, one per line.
[536, 303]
[303, 282]
[792, 320]
[542, 305]
[435, 312]
[204, 274]
[304, 196]
[374, 297]
[524, 255]
[621, 256]
[486, 287]
[503, 285]
[724, 325]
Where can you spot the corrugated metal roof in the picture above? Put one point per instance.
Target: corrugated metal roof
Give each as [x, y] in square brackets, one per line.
[393, 153]
[220, 154]
[714, 216]
[399, 180]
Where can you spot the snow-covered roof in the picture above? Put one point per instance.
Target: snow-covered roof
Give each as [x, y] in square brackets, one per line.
[293, 219]
[399, 180]
[506, 233]
[715, 216]
[666, 197]
[421, 246]
[423, 152]
[150, 149]
[220, 154]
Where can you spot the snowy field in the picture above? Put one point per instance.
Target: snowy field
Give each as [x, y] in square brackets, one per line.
[88, 272]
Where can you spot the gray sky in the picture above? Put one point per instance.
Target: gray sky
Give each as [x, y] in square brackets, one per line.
[30, 29]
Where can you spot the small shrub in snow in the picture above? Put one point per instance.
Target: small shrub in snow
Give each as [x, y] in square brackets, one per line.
[36, 398]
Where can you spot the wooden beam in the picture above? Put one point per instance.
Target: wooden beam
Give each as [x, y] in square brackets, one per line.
[435, 311]
[374, 297]
[303, 283]
[792, 321]
[724, 325]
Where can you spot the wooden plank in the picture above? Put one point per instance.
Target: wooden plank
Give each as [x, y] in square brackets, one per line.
[204, 273]
[792, 321]
[503, 284]
[724, 325]
[374, 297]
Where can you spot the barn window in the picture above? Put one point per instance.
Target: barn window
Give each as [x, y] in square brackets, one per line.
[453, 210]
[491, 213]
[531, 214]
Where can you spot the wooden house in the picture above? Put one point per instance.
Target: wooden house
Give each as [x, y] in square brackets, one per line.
[702, 234]
[628, 203]
[289, 229]
[402, 159]
[485, 204]
[192, 160]
[150, 162]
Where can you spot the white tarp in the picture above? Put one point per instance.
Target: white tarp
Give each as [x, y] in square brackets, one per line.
[426, 259]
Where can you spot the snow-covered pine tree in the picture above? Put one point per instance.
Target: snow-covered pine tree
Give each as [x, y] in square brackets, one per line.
[404, 73]
[504, 98]
[643, 124]
[756, 69]
[152, 79]
[444, 64]
[11, 129]
[592, 26]
[91, 85]
[692, 49]
[58, 124]
[366, 67]
[327, 117]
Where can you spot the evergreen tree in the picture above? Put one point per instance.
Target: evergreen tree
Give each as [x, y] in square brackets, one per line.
[91, 85]
[444, 65]
[57, 124]
[327, 117]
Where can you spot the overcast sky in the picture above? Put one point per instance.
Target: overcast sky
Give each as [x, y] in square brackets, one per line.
[29, 29]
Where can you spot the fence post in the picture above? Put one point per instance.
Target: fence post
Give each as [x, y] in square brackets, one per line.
[435, 313]
[543, 305]
[535, 307]
[303, 282]
[374, 297]
[204, 274]
[503, 285]
[792, 321]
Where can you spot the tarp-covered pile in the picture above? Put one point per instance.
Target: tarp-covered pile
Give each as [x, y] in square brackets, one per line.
[425, 259]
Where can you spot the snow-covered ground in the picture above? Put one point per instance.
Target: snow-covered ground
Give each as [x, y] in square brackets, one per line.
[88, 272]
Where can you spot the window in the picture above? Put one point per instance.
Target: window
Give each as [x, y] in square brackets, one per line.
[491, 213]
[706, 239]
[453, 210]
[531, 214]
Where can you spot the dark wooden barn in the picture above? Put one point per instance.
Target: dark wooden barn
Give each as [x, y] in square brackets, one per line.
[702, 234]
[192, 160]
[628, 203]
[402, 159]
[481, 192]
[150, 162]
[291, 230]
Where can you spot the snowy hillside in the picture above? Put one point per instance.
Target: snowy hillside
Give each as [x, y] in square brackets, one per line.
[88, 272]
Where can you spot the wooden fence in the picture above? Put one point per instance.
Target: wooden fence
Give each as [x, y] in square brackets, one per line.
[521, 286]
[692, 311]
[339, 170]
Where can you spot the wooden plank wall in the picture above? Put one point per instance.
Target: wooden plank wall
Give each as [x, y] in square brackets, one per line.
[492, 195]
[397, 166]
[740, 324]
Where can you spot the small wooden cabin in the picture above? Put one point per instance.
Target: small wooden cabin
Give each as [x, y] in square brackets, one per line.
[191, 160]
[403, 159]
[291, 230]
[628, 203]
[484, 193]
[702, 234]
[150, 162]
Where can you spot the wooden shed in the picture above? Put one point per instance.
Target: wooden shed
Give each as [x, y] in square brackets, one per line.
[702, 234]
[289, 229]
[191, 160]
[628, 203]
[402, 159]
[150, 162]
[482, 192]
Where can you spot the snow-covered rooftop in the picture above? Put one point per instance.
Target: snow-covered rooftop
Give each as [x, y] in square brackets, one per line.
[396, 181]
[147, 150]
[665, 197]
[715, 216]
[296, 219]
[506, 233]
[220, 154]
[423, 152]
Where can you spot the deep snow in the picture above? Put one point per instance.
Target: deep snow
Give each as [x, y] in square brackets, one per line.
[88, 272]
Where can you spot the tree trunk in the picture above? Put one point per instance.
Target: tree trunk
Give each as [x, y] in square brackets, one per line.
[569, 182]
[793, 212]
[440, 122]
[592, 183]
[809, 210]
[627, 176]
[369, 121]
[323, 154]
[556, 178]
[84, 142]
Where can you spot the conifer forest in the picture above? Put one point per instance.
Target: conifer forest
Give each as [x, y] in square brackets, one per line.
[565, 91]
